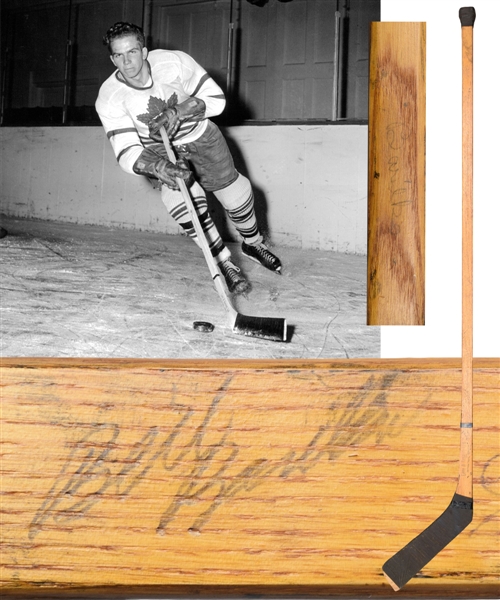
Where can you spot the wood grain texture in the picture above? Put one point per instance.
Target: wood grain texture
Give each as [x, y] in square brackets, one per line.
[396, 175]
[285, 476]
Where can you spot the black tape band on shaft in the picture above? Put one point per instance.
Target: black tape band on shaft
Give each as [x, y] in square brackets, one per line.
[467, 16]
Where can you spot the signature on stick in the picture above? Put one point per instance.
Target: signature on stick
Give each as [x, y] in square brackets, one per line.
[200, 455]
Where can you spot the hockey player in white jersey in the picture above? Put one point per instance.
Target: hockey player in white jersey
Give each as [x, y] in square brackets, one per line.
[186, 97]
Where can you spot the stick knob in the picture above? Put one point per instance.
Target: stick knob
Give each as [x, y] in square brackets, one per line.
[467, 16]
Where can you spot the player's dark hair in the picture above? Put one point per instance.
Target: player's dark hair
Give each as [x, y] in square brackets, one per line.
[122, 29]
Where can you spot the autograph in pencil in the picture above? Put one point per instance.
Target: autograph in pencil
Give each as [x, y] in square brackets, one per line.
[210, 465]
[399, 189]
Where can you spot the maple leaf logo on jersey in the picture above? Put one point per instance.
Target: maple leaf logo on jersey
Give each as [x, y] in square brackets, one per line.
[155, 107]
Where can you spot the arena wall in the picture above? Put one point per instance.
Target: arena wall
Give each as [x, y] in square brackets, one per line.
[310, 182]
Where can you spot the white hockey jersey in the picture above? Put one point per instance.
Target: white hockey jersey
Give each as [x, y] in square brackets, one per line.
[119, 104]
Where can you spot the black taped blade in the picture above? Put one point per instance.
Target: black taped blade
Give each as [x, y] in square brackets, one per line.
[406, 563]
[267, 328]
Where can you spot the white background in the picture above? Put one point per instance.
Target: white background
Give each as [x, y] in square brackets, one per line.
[441, 335]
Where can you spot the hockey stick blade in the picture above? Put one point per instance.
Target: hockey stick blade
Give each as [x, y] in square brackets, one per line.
[268, 328]
[406, 563]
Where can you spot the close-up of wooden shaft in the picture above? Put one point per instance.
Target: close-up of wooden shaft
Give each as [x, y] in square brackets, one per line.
[139, 475]
[396, 175]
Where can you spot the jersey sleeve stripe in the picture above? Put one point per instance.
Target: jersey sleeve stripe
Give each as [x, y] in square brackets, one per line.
[126, 150]
[146, 140]
[114, 132]
[200, 84]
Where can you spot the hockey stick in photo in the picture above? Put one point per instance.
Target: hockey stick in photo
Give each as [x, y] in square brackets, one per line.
[406, 563]
[269, 328]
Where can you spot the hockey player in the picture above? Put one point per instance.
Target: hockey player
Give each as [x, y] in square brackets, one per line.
[186, 97]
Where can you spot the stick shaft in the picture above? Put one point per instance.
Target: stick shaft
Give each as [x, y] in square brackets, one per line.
[270, 328]
[214, 271]
[466, 467]
[189, 203]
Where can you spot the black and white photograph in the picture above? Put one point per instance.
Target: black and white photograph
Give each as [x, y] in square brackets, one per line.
[264, 104]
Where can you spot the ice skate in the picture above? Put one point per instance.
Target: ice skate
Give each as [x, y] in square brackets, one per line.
[261, 254]
[236, 282]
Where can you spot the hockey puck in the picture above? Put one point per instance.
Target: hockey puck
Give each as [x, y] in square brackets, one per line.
[204, 326]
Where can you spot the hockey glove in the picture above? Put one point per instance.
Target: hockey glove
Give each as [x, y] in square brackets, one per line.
[192, 109]
[152, 164]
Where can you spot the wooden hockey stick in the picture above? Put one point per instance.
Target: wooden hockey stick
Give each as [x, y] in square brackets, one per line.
[406, 563]
[269, 328]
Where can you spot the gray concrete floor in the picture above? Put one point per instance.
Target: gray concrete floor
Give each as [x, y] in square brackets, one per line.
[85, 291]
